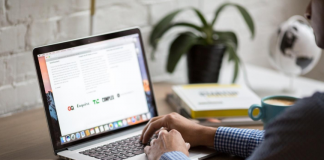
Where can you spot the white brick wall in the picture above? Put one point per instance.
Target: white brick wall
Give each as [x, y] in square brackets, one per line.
[114, 15]
[42, 32]
[25, 24]
[12, 38]
[74, 26]
[3, 21]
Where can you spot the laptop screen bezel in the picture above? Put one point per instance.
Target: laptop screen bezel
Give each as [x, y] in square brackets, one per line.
[76, 43]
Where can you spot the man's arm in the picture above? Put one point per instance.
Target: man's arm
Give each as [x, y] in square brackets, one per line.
[239, 142]
[193, 133]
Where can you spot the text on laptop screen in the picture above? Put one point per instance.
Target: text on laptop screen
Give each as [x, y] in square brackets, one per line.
[96, 88]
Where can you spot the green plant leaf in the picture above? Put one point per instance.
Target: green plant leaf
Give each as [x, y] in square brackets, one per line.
[190, 25]
[231, 50]
[165, 24]
[161, 33]
[227, 35]
[201, 17]
[247, 19]
[219, 9]
[161, 27]
[180, 46]
[245, 14]
[201, 41]
[231, 39]
[236, 70]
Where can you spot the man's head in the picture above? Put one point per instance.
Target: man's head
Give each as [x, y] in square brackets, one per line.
[315, 13]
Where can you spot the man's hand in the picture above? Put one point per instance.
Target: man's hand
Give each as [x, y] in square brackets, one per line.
[166, 142]
[191, 132]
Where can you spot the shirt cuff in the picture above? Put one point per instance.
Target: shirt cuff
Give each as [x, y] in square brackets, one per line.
[174, 155]
[239, 142]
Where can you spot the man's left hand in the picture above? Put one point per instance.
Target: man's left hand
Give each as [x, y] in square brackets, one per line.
[166, 142]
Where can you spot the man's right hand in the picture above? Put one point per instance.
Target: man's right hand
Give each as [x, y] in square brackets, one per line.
[191, 132]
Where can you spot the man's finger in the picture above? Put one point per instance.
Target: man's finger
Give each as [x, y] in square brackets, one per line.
[162, 128]
[145, 128]
[151, 129]
[162, 132]
[148, 123]
[188, 145]
[147, 149]
[152, 142]
[174, 131]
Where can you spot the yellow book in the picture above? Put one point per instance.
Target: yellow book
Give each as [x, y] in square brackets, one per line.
[215, 100]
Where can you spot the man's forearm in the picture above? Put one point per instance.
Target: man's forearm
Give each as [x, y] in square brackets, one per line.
[207, 135]
[239, 142]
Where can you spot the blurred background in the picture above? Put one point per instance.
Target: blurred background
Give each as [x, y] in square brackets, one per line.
[25, 24]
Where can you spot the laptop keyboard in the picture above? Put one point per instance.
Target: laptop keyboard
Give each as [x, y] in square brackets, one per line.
[118, 150]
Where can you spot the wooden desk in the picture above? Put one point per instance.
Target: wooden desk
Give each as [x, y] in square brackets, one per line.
[25, 135]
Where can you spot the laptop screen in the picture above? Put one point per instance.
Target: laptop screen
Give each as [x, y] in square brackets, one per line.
[96, 88]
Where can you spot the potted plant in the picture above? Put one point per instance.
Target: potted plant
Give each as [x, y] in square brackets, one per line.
[204, 47]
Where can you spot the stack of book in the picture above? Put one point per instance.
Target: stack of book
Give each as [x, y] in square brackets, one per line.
[214, 104]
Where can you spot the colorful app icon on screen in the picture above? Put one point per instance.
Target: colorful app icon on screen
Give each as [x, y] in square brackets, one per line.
[101, 129]
[62, 139]
[133, 119]
[68, 138]
[87, 132]
[120, 123]
[115, 125]
[144, 117]
[78, 136]
[92, 131]
[138, 118]
[106, 127]
[129, 120]
[70, 108]
[124, 122]
[82, 134]
[72, 136]
[97, 130]
[111, 126]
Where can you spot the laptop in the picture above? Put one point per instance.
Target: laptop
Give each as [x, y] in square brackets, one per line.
[97, 96]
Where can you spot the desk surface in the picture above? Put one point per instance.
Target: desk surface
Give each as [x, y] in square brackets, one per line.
[25, 135]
